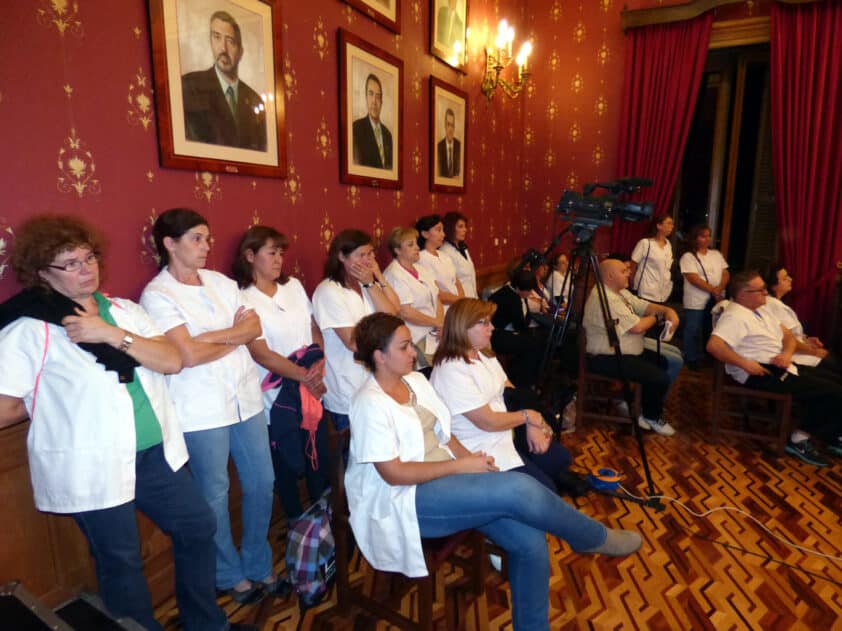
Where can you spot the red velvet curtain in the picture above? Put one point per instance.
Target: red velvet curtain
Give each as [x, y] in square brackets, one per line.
[806, 101]
[664, 65]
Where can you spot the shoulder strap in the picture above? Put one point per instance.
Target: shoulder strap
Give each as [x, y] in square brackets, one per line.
[41, 369]
[643, 266]
[699, 261]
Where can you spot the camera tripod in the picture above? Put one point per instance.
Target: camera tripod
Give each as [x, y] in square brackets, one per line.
[581, 263]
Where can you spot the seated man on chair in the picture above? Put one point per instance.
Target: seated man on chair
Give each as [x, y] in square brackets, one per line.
[632, 317]
[757, 351]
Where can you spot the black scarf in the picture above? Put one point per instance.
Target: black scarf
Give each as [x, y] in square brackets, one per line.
[53, 307]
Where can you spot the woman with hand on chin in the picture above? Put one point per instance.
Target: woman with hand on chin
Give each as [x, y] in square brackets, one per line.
[286, 316]
[455, 230]
[430, 238]
[408, 478]
[104, 438]
[217, 395]
[353, 287]
[420, 306]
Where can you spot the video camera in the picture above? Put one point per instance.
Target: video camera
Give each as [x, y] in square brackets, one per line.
[599, 210]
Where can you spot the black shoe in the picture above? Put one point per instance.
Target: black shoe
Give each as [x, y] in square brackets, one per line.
[279, 588]
[250, 596]
[805, 452]
[835, 446]
[572, 484]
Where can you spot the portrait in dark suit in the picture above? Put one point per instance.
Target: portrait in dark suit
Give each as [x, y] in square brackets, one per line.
[372, 140]
[219, 108]
[450, 28]
[448, 147]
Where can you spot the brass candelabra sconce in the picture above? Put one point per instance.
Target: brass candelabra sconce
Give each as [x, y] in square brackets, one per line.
[497, 59]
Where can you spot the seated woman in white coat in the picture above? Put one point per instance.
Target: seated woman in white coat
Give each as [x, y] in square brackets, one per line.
[420, 306]
[408, 478]
[455, 230]
[430, 238]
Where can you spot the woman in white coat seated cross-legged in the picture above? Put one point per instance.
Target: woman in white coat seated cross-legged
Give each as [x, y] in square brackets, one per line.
[408, 478]
[420, 306]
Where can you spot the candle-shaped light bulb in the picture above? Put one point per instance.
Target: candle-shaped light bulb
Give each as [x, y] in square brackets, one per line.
[525, 51]
[510, 37]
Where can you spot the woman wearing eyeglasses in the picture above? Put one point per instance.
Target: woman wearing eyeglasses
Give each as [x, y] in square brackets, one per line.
[104, 438]
[474, 385]
[408, 478]
[217, 395]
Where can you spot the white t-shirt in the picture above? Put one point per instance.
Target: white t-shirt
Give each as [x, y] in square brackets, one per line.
[441, 268]
[82, 441]
[336, 307]
[467, 386]
[218, 393]
[556, 285]
[383, 516]
[786, 316]
[656, 281]
[285, 318]
[419, 293]
[626, 310]
[714, 264]
[754, 335]
[465, 270]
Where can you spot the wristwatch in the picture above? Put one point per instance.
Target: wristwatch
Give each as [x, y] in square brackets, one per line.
[126, 342]
[368, 285]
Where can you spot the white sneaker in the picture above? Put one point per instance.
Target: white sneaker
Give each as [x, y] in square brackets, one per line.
[621, 408]
[643, 423]
[496, 562]
[660, 427]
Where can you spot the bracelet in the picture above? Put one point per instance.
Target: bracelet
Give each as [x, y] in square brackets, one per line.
[381, 285]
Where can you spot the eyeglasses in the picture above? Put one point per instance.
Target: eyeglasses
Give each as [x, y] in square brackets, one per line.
[75, 265]
[762, 290]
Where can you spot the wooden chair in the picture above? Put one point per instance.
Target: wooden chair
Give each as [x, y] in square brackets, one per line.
[457, 595]
[752, 410]
[597, 395]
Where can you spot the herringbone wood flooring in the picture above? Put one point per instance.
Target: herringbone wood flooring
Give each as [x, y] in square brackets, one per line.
[719, 572]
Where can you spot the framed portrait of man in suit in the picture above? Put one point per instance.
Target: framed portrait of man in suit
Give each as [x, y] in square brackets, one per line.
[385, 12]
[449, 32]
[370, 114]
[219, 85]
[448, 137]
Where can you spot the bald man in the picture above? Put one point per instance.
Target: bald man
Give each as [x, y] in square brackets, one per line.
[632, 317]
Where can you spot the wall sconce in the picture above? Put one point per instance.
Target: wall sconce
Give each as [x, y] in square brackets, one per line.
[498, 58]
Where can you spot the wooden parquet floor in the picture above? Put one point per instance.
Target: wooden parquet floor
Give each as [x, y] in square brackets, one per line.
[722, 571]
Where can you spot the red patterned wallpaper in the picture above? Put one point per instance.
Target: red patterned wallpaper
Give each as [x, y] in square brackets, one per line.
[78, 123]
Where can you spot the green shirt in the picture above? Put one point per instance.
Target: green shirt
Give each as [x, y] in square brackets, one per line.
[146, 425]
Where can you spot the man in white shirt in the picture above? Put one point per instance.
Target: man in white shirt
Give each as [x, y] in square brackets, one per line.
[758, 350]
[632, 317]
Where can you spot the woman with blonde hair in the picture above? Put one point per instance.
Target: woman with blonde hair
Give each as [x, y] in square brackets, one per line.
[475, 389]
[420, 306]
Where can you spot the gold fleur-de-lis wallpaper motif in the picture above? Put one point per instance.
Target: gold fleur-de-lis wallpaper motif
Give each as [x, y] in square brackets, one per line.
[598, 155]
[549, 158]
[68, 90]
[326, 232]
[148, 251]
[150, 176]
[290, 81]
[137, 32]
[527, 181]
[324, 144]
[554, 61]
[415, 9]
[377, 231]
[398, 198]
[320, 42]
[577, 84]
[416, 85]
[350, 14]
[603, 55]
[579, 33]
[140, 101]
[601, 106]
[62, 14]
[77, 169]
[524, 226]
[353, 195]
[6, 237]
[548, 205]
[417, 162]
[292, 185]
[575, 132]
[555, 11]
[528, 135]
[206, 186]
[531, 90]
[255, 219]
[605, 5]
[552, 110]
[572, 180]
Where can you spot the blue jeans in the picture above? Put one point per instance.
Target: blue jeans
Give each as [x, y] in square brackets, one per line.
[672, 355]
[248, 444]
[694, 321]
[515, 511]
[173, 502]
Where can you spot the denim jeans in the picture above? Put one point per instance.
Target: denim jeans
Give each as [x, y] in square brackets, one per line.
[515, 511]
[248, 444]
[173, 502]
[694, 321]
[672, 355]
